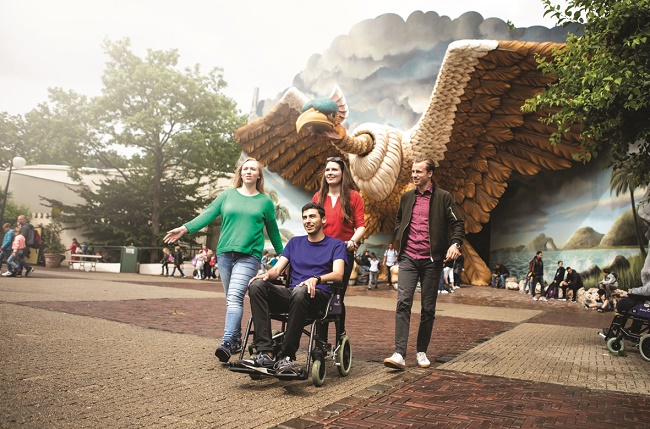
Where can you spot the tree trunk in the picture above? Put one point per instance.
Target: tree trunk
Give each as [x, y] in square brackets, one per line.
[636, 225]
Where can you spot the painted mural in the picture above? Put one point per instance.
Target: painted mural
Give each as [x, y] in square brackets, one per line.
[387, 67]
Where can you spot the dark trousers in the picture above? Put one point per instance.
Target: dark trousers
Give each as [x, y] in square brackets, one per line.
[165, 268]
[537, 279]
[573, 287]
[410, 271]
[4, 255]
[267, 298]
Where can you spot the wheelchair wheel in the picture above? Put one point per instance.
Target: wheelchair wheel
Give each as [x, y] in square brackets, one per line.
[344, 356]
[615, 346]
[318, 372]
[644, 347]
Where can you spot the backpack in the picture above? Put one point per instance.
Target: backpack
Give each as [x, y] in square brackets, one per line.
[33, 238]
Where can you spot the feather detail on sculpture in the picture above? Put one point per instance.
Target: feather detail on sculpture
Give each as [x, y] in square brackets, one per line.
[473, 129]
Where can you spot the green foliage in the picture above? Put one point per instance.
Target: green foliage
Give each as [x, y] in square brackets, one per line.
[602, 81]
[12, 211]
[51, 240]
[114, 215]
[161, 131]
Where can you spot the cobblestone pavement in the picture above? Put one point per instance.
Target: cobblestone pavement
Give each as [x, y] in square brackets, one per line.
[107, 350]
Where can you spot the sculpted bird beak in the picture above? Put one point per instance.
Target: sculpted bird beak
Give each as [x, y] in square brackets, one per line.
[318, 123]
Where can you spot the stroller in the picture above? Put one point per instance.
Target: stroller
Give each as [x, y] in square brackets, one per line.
[632, 326]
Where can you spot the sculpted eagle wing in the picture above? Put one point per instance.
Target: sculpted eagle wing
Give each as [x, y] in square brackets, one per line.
[474, 127]
[275, 143]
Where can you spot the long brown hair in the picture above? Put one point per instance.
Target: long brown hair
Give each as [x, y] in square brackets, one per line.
[347, 185]
[237, 180]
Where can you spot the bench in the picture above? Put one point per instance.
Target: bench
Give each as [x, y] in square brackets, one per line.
[82, 260]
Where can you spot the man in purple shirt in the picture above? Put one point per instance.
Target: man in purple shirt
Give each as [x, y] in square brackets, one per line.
[429, 231]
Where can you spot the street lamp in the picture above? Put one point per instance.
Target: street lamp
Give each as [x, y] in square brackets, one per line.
[17, 162]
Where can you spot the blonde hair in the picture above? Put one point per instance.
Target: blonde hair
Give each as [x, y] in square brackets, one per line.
[237, 180]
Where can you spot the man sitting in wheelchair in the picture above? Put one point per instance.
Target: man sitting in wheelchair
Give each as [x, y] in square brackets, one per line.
[313, 260]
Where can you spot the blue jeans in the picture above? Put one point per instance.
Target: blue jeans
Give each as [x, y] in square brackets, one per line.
[236, 270]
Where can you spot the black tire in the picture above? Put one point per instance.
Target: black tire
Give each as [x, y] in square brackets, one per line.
[344, 356]
[616, 346]
[255, 376]
[318, 372]
[644, 347]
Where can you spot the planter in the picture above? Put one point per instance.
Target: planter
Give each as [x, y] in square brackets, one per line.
[53, 260]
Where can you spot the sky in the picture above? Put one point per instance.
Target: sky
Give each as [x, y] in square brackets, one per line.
[262, 44]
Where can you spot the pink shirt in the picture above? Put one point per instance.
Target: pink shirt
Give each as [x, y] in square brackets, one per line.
[417, 242]
[19, 243]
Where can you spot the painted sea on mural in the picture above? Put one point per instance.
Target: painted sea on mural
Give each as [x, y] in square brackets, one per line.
[517, 262]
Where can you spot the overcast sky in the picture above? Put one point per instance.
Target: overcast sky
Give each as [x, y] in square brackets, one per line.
[265, 44]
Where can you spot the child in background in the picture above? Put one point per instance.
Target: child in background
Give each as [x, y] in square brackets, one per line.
[178, 262]
[374, 270]
[166, 259]
[200, 261]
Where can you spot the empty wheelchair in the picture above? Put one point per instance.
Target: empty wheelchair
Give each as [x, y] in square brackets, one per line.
[632, 326]
[318, 351]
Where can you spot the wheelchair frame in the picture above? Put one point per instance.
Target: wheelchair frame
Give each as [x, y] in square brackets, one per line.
[317, 352]
[619, 331]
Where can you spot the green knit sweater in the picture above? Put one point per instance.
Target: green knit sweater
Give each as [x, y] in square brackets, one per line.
[243, 221]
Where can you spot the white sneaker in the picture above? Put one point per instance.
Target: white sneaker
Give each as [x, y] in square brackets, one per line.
[396, 361]
[395, 286]
[563, 300]
[423, 362]
[534, 298]
[543, 299]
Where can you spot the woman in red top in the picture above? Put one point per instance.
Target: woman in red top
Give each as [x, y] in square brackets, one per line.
[344, 213]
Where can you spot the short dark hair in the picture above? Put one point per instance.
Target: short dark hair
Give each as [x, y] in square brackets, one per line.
[606, 270]
[538, 252]
[316, 206]
[559, 262]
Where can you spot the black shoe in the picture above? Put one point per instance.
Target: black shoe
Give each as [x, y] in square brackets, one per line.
[260, 360]
[29, 273]
[223, 352]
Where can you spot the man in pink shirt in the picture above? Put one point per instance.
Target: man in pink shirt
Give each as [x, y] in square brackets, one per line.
[426, 218]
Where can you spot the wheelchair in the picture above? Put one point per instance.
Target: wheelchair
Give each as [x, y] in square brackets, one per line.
[632, 326]
[318, 351]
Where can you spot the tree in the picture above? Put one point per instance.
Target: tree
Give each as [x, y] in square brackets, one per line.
[163, 131]
[107, 218]
[281, 212]
[12, 211]
[624, 180]
[602, 81]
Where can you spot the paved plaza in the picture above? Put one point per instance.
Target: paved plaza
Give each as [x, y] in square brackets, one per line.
[125, 350]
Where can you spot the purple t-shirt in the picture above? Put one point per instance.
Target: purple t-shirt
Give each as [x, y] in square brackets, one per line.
[309, 259]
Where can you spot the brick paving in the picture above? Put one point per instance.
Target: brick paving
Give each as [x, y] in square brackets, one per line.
[105, 350]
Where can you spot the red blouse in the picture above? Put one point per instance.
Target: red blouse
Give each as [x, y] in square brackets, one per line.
[335, 227]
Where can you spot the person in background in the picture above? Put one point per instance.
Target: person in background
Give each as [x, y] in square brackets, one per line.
[536, 267]
[73, 249]
[501, 273]
[178, 262]
[573, 281]
[246, 211]
[7, 241]
[17, 258]
[389, 260]
[603, 303]
[166, 259]
[264, 262]
[364, 260]
[553, 288]
[374, 271]
[609, 282]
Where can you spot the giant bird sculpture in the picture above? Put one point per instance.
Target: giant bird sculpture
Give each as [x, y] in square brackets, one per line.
[473, 129]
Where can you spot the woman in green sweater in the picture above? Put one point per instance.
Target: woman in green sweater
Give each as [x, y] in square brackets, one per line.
[245, 211]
